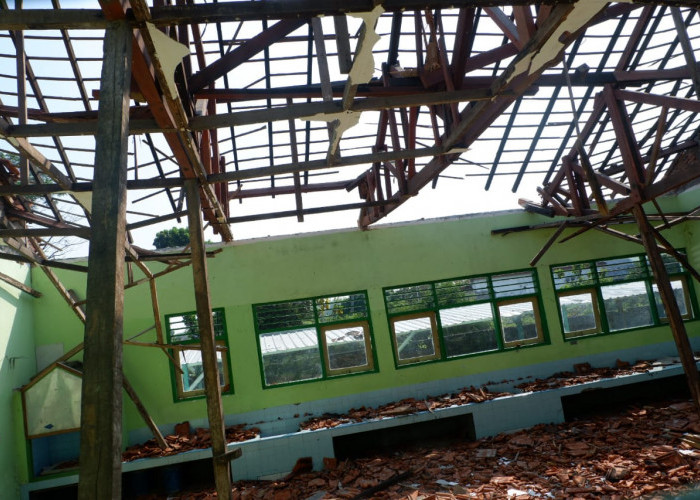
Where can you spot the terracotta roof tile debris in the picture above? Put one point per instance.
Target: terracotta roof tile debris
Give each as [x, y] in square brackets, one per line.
[185, 440]
[627, 455]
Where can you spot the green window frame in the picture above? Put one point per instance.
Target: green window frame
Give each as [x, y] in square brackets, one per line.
[186, 368]
[610, 295]
[466, 316]
[312, 339]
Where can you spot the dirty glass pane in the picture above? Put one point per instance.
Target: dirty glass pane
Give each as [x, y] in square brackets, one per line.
[514, 284]
[624, 269]
[193, 371]
[578, 314]
[573, 276]
[461, 291]
[627, 305]
[415, 338]
[347, 348]
[341, 308]
[290, 356]
[468, 329]
[409, 298]
[518, 322]
[679, 292]
[185, 327]
[281, 315]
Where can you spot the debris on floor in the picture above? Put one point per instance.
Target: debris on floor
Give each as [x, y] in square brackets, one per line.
[184, 440]
[638, 452]
[403, 407]
[584, 372]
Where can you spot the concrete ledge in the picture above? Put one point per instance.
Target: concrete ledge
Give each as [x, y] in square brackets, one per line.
[274, 456]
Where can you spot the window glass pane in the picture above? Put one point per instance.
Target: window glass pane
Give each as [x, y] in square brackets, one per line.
[290, 356]
[347, 347]
[627, 305]
[283, 315]
[341, 308]
[670, 263]
[510, 285]
[518, 321]
[573, 275]
[468, 329]
[455, 292]
[625, 269]
[414, 338]
[185, 327]
[578, 313]
[679, 292]
[193, 371]
[409, 298]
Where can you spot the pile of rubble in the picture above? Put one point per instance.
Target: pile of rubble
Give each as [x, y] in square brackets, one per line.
[584, 372]
[639, 452]
[403, 407]
[184, 440]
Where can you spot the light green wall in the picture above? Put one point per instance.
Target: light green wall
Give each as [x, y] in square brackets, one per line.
[279, 269]
[17, 364]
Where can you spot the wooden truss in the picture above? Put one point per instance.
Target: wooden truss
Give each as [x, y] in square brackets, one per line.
[231, 101]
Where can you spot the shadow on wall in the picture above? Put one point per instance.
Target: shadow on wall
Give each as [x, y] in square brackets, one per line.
[17, 365]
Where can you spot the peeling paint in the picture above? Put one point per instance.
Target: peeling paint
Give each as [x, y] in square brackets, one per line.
[363, 65]
[361, 72]
[170, 53]
[344, 120]
[582, 13]
[84, 198]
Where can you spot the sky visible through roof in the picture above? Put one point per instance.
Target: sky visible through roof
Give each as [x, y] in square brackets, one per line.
[460, 188]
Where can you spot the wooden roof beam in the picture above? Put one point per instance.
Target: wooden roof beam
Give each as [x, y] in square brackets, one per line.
[544, 49]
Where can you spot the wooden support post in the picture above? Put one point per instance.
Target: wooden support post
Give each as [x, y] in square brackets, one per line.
[669, 300]
[101, 411]
[21, 96]
[215, 412]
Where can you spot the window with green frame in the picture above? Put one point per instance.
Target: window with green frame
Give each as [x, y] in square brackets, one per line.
[188, 373]
[463, 316]
[610, 295]
[312, 339]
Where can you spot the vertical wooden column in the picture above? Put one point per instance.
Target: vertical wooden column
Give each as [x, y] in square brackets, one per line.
[101, 417]
[215, 412]
[673, 313]
[21, 96]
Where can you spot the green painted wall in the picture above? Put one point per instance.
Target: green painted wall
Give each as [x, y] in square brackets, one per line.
[279, 269]
[17, 365]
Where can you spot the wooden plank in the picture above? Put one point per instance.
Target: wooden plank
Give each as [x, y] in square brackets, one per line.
[101, 409]
[144, 414]
[654, 155]
[212, 389]
[295, 159]
[548, 243]
[342, 39]
[243, 53]
[21, 95]
[19, 285]
[687, 47]
[507, 26]
[675, 319]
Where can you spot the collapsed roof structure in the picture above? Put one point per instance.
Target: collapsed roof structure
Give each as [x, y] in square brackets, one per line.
[190, 108]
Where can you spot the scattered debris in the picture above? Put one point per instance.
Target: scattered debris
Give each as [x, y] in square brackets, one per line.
[629, 455]
[185, 440]
[584, 372]
[403, 407]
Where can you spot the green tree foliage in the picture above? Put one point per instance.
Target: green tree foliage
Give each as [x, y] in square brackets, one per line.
[173, 237]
